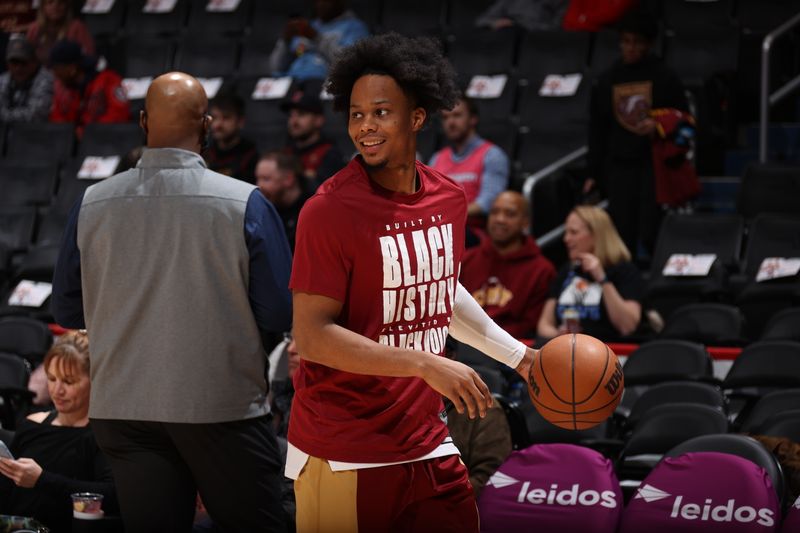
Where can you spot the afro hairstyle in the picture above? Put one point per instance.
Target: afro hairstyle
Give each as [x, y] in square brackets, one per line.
[416, 65]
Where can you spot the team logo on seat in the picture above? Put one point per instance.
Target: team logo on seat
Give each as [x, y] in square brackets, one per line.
[501, 480]
[651, 494]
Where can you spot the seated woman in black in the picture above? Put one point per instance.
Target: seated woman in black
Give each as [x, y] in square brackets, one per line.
[599, 291]
[56, 454]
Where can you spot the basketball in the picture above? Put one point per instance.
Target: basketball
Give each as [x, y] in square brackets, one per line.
[575, 381]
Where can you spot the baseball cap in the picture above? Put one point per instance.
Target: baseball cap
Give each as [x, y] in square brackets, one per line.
[66, 52]
[303, 100]
[19, 48]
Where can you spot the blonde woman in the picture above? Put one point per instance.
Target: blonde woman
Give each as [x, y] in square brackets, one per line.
[55, 451]
[54, 22]
[599, 291]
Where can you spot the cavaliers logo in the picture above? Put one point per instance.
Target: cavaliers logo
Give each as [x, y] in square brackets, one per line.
[632, 103]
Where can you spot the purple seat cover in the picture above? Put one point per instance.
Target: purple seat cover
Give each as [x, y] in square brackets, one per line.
[559, 488]
[706, 492]
[791, 523]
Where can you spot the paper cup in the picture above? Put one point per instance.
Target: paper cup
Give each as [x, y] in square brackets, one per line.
[87, 505]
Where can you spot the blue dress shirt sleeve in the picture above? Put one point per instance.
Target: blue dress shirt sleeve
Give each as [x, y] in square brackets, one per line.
[495, 177]
[66, 301]
[270, 265]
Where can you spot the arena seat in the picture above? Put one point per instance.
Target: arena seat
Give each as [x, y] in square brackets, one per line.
[502, 132]
[552, 52]
[770, 236]
[110, 139]
[763, 16]
[267, 137]
[256, 49]
[665, 426]
[785, 424]
[208, 57]
[139, 22]
[520, 438]
[204, 22]
[717, 234]
[259, 113]
[15, 398]
[778, 401]
[27, 183]
[768, 188]
[741, 446]
[462, 13]
[24, 142]
[543, 432]
[667, 392]
[704, 492]
[147, 56]
[479, 51]
[762, 367]
[69, 190]
[50, 228]
[784, 325]
[791, 523]
[687, 16]
[552, 487]
[106, 23]
[25, 337]
[696, 56]
[16, 227]
[707, 323]
[540, 147]
[413, 17]
[766, 364]
[547, 113]
[664, 360]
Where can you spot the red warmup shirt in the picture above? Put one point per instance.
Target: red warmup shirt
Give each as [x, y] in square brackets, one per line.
[511, 288]
[103, 99]
[392, 260]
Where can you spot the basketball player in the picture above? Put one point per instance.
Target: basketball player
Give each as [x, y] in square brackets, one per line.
[375, 295]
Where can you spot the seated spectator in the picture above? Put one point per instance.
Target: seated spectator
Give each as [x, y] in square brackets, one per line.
[229, 153]
[26, 88]
[507, 274]
[318, 156]
[530, 15]
[599, 292]
[82, 94]
[55, 22]
[55, 452]
[307, 47]
[484, 443]
[280, 179]
[480, 166]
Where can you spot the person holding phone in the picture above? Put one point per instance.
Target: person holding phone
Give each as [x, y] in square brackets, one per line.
[56, 454]
[599, 292]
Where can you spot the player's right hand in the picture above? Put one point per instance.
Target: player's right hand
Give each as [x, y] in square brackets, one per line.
[458, 382]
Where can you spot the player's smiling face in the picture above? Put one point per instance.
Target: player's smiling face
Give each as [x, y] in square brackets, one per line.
[383, 121]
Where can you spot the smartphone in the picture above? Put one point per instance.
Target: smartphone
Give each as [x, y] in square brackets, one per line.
[4, 451]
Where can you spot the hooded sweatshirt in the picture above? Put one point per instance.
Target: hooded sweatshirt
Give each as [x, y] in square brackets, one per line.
[511, 288]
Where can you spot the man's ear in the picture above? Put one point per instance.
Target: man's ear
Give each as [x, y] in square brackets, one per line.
[143, 120]
[418, 116]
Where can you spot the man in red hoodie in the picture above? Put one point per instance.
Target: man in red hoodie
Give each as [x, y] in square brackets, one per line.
[507, 274]
[82, 94]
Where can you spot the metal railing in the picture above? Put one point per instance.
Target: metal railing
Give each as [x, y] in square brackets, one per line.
[768, 100]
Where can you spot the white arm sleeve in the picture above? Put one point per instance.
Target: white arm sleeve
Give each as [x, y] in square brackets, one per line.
[471, 325]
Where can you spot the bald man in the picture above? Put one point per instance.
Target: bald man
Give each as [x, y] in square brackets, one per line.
[507, 274]
[176, 271]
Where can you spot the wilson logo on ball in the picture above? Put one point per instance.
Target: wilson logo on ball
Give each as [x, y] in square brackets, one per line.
[613, 383]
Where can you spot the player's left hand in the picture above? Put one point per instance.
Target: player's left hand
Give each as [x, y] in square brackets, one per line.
[23, 472]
